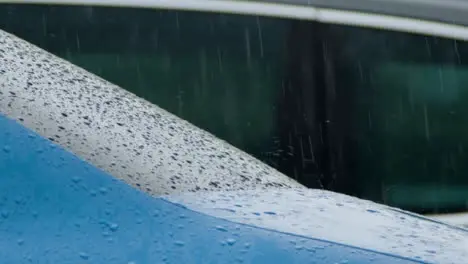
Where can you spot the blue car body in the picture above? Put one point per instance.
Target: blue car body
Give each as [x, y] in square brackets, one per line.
[86, 197]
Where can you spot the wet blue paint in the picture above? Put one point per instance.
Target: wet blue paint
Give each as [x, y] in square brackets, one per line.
[56, 208]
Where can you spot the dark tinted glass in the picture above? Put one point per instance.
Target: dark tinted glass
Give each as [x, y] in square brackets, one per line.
[404, 122]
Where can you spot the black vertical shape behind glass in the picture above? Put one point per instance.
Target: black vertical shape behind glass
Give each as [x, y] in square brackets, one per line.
[302, 116]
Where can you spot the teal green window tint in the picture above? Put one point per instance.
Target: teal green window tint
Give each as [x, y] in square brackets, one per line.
[223, 73]
[409, 117]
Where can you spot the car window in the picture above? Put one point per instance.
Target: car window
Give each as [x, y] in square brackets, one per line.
[405, 118]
